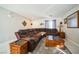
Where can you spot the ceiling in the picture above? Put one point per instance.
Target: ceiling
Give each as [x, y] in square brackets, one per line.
[39, 10]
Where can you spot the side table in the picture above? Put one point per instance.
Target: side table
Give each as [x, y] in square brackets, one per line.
[19, 47]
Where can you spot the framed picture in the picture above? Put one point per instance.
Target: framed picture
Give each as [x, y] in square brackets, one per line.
[73, 20]
[24, 23]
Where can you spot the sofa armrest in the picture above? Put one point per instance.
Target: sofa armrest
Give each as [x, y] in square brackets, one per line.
[17, 35]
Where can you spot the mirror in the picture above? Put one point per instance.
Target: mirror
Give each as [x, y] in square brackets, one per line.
[73, 20]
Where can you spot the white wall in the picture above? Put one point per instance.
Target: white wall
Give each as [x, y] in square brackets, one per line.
[72, 35]
[10, 23]
[36, 23]
[8, 26]
[58, 20]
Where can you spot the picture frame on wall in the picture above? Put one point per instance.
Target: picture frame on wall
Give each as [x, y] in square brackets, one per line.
[24, 23]
[73, 20]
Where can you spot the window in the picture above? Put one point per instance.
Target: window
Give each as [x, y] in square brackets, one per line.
[51, 24]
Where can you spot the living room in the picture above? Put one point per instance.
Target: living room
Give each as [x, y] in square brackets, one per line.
[14, 18]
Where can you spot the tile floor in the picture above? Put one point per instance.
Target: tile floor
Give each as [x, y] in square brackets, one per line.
[42, 49]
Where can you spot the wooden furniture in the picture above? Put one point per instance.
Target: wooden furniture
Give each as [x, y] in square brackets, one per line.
[62, 35]
[34, 35]
[19, 47]
[54, 43]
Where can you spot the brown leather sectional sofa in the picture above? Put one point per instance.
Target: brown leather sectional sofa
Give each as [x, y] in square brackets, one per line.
[34, 35]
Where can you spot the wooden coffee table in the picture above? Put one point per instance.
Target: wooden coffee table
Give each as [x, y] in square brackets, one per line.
[54, 43]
